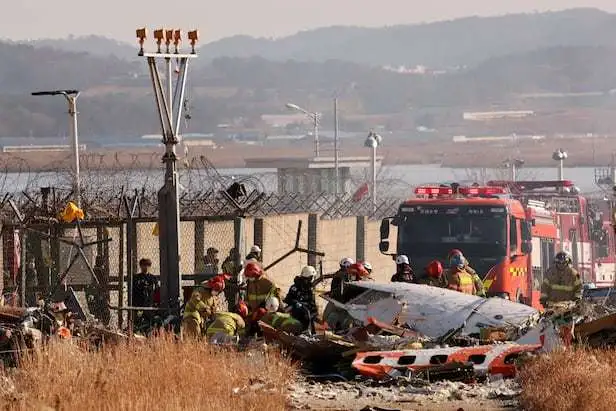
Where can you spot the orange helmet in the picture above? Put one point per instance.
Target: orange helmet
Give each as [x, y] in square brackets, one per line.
[217, 283]
[253, 270]
[359, 271]
[435, 269]
[242, 309]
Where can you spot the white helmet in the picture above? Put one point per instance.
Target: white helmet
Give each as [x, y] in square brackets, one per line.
[367, 266]
[308, 271]
[402, 259]
[255, 249]
[272, 304]
[346, 262]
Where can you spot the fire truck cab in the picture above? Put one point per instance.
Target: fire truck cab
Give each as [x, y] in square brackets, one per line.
[498, 234]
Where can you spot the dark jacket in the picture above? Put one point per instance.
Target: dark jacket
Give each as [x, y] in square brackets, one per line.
[405, 276]
[144, 288]
[337, 287]
[301, 296]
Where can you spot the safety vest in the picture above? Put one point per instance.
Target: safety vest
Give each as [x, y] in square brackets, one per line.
[462, 281]
[284, 322]
[259, 290]
[230, 324]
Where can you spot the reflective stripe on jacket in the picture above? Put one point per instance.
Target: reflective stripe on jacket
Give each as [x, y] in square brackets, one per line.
[228, 323]
[258, 291]
[561, 285]
[201, 306]
[462, 281]
[284, 322]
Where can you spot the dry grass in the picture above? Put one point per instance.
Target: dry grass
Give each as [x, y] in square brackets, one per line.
[579, 380]
[159, 375]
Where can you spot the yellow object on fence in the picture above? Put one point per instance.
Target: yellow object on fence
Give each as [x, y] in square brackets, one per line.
[155, 230]
[71, 213]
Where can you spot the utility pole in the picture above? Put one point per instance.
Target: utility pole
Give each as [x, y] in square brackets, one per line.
[336, 166]
[71, 98]
[169, 109]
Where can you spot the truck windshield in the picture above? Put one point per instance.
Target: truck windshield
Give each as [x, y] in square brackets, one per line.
[432, 231]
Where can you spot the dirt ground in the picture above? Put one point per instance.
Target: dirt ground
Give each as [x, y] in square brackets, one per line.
[356, 396]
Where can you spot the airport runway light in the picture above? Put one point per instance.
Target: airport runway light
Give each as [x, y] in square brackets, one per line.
[159, 36]
[373, 141]
[142, 34]
[315, 123]
[193, 36]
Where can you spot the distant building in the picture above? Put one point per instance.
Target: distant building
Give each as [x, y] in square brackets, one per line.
[465, 139]
[40, 148]
[494, 115]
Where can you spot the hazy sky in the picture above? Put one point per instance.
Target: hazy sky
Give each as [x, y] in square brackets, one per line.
[23, 19]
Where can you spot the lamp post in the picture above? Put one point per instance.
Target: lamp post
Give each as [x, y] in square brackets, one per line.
[513, 166]
[169, 104]
[315, 117]
[373, 141]
[560, 155]
[71, 98]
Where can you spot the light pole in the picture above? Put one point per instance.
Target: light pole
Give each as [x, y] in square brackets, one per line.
[71, 98]
[336, 168]
[373, 141]
[169, 104]
[315, 117]
[513, 166]
[560, 155]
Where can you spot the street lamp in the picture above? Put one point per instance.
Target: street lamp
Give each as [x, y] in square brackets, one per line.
[373, 141]
[513, 165]
[71, 98]
[315, 123]
[560, 155]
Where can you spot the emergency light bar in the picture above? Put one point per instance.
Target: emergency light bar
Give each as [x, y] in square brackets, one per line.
[465, 191]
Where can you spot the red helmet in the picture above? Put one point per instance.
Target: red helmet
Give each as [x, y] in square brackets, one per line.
[253, 270]
[217, 283]
[453, 252]
[435, 269]
[242, 309]
[359, 271]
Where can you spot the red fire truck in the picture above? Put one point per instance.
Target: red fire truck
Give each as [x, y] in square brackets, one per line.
[508, 231]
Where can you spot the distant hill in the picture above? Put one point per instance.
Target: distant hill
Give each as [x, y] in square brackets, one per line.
[465, 41]
[96, 45]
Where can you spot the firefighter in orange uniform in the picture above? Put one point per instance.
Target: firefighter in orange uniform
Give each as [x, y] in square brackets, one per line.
[460, 279]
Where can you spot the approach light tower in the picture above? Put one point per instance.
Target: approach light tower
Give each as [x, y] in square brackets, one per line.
[169, 104]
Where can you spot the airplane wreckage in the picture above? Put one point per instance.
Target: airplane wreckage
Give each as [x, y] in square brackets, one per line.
[392, 330]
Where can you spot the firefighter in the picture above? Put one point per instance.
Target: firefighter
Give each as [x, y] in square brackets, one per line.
[145, 288]
[433, 275]
[301, 299]
[561, 282]
[460, 279]
[201, 307]
[233, 267]
[479, 288]
[255, 254]
[228, 327]
[340, 277]
[258, 290]
[404, 272]
[280, 321]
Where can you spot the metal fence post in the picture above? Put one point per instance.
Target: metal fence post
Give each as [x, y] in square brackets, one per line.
[360, 237]
[259, 237]
[22, 263]
[121, 278]
[238, 236]
[313, 235]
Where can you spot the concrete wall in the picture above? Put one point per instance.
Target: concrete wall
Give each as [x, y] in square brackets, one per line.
[337, 239]
[279, 234]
